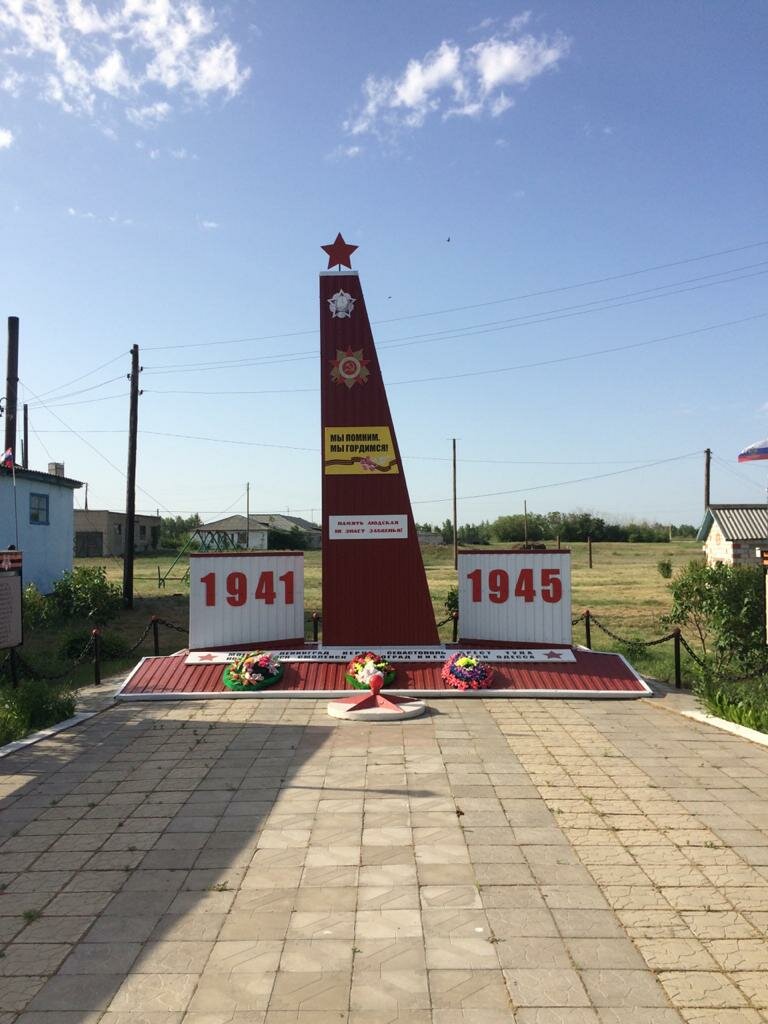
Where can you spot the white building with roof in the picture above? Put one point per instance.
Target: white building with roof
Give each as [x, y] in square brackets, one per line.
[734, 534]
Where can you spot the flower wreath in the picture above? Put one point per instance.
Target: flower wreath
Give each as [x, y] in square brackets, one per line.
[463, 672]
[362, 667]
[254, 671]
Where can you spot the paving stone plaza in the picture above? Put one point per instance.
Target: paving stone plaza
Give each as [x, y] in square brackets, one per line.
[255, 862]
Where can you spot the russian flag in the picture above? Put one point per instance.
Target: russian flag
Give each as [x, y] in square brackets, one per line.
[7, 460]
[758, 450]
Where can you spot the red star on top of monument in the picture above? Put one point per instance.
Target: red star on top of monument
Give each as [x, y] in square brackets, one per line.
[339, 252]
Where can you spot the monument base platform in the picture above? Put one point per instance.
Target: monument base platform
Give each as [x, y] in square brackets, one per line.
[591, 674]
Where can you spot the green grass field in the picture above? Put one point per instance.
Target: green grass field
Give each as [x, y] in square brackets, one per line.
[623, 589]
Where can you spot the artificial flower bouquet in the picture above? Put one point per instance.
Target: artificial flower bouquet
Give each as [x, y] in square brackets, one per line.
[359, 671]
[463, 672]
[254, 671]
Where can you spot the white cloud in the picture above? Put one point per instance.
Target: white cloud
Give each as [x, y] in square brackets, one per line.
[81, 54]
[179, 154]
[208, 225]
[6, 138]
[149, 116]
[458, 82]
[11, 83]
[154, 154]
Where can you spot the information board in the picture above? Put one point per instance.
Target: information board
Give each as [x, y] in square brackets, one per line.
[245, 598]
[10, 599]
[515, 596]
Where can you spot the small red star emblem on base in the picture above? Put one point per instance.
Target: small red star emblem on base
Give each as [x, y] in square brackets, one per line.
[553, 654]
[339, 252]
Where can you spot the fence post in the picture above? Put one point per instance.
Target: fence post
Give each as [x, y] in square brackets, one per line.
[156, 635]
[589, 550]
[455, 627]
[678, 674]
[315, 625]
[96, 634]
[588, 629]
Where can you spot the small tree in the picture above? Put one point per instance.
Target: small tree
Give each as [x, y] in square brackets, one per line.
[723, 605]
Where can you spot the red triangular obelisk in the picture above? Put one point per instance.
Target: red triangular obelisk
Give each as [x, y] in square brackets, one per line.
[374, 586]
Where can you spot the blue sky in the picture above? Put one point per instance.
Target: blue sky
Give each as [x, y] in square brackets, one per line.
[168, 172]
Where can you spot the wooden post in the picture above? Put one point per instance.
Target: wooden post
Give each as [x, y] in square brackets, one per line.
[155, 635]
[525, 523]
[707, 473]
[130, 489]
[455, 627]
[558, 542]
[588, 629]
[455, 518]
[25, 439]
[589, 550]
[315, 625]
[12, 385]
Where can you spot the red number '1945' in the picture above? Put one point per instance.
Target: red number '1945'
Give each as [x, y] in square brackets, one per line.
[550, 585]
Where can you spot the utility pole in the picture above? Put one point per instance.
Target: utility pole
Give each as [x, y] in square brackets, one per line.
[25, 439]
[455, 517]
[130, 489]
[525, 523]
[12, 385]
[248, 515]
[707, 465]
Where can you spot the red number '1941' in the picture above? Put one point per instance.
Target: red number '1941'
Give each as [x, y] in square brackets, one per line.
[550, 585]
[236, 586]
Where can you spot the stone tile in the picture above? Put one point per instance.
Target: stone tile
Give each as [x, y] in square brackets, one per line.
[460, 951]
[311, 991]
[322, 925]
[556, 1015]
[438, 896]
[173, 957]
[383, 924]
[390, 993]
[623, 988]
[675, 954]
[228, 995]
[76, 992]
[533, 953]
[705, 989]
[54, 929]
[101, 958]
[188, 927]
[384, 897]
[313, 955]
[383, 955]
[740, 954]
[468, 990]
[239, 925]
[510, 924]
[587, 924]
[541, 987]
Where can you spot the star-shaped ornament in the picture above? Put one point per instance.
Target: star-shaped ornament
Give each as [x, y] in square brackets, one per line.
[339, 252]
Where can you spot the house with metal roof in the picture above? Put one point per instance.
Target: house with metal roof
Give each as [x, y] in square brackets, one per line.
[734, 534]
[36, 518]
[237, 532]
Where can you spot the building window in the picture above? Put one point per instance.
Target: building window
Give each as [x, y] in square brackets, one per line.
[118, 528]
[142, 531]
[38, 509]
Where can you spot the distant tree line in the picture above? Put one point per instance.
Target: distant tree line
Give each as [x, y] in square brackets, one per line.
[568, 526]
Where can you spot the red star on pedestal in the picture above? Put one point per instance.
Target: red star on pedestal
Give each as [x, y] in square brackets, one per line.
[339, 252]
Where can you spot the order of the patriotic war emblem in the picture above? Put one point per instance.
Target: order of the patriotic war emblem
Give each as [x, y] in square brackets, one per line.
[341, 304]
[349, 367]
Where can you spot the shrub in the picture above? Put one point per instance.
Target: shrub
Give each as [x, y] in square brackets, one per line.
[34, 705]
[452, 600]
[723, 605]
[665, 568]
[111, 646]
[86, 592]
[36, 607]
[745, 703]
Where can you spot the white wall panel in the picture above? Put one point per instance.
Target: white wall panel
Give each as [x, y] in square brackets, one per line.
[245, 598]
[520, 597]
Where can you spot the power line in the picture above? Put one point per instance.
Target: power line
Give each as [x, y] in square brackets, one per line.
[60, 387]
[740, 476]
[476, 305]
[83, 391]
[559, 483]
[487, 327]
[316, 451]
[494, 370]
